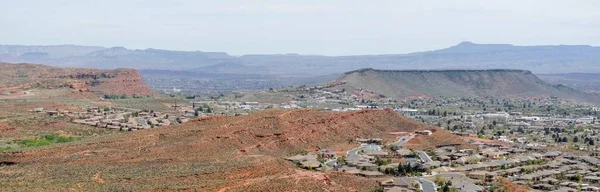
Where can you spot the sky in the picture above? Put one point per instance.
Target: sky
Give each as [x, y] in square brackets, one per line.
[323, 27]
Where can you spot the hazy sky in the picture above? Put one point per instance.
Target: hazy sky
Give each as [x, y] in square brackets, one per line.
[342, 27]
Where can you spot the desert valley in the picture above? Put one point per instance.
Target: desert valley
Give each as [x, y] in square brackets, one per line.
[300, 96]
[368, 130]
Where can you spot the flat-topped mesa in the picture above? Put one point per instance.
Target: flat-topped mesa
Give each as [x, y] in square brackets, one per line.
[117, 81]
[499, 83]
[437, 70]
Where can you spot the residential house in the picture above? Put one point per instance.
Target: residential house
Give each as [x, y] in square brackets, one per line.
[403, 182]
[424, 132]
[404, 152]
[326, 153]
[371, 174]
[398, 189]
[592, 179]
[484, 176]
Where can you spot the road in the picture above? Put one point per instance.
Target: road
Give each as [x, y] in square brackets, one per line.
[427, 185]
[424, 157]
[401, 141]
[353, 153]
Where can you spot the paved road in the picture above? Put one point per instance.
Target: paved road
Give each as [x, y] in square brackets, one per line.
[427, 185]
[424, 157]
[353, 153]
[401, 141]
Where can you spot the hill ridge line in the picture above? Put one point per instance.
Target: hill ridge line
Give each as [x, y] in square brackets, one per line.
[436, 70]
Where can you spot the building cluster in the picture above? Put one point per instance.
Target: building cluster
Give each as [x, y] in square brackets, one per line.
[464, 169]
[123, 119]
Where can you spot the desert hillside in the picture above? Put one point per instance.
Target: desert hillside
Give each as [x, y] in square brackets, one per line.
[235, 153]
[22, 77]
[458, 83]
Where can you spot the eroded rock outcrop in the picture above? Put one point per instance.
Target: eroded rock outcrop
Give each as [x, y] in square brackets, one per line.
[18, 77]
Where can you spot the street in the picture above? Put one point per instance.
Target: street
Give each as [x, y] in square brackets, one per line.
[353, 153]
[427, 185]
[401, 141]
[424, 157]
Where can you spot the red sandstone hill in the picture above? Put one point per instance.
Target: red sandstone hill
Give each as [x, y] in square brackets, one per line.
[19, 77]
[228, 153]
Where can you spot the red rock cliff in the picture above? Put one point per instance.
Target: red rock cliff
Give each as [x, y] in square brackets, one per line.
[118, 81]
[126, 81]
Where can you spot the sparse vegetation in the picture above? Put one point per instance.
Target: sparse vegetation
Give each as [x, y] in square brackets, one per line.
[46, 140]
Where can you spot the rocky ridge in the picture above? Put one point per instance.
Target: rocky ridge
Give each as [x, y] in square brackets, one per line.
[21, 77]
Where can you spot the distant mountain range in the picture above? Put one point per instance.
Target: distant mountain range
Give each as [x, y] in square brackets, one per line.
[466, 55]
[498, 83]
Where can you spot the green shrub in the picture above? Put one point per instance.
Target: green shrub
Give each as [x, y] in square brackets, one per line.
[46, 140]
[34, 143]
[50, 137]
[5, 148]
[62, 139]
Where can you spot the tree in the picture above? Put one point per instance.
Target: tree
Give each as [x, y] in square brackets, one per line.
[112, 96]
[498, 133]
[124, 96]
[565, 139]
[575, 139]
[416, 185]
[444, 186]
[341, 160]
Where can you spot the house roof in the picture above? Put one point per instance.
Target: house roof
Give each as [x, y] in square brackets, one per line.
[433, 163]
[398, 189]
[311, 163]
[565, 189]
[375, 152]
[592, 178]
[401, 181]
[444, 169]
[371, 173]
[464, 183]
[481, 173]
[403, 151]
